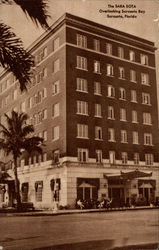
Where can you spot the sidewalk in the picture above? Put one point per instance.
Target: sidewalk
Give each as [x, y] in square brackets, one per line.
[9, 212]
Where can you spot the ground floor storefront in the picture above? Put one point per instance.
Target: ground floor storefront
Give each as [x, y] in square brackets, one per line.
[52, 185]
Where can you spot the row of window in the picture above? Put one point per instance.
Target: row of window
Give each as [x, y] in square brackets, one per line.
[82, 86]
[36, 79]
[82, 109]
[82, 132]
[42, 54]
[82, 42]
[6, 84]
[83, 65]
[81, 83]
[83, 157]
[38, 117]
[34, 159]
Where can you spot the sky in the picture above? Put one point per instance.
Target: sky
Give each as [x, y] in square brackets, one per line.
[143, 26]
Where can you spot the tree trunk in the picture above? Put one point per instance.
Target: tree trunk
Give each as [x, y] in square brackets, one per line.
[17, 191]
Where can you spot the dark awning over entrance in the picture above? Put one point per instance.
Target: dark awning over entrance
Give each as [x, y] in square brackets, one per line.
[5, 177]
[128, 175]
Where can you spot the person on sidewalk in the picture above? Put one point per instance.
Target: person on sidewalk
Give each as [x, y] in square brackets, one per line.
[80, 204]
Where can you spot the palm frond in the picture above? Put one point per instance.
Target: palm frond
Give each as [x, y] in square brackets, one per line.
[33, 144]
[36, 10]
[5, 146]
[4, 131]
[27, 130]
[14, 57]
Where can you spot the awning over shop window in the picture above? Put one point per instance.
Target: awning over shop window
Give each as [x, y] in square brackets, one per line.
[128, 175]
[5, 177]
[147, 183]
[93, 182]
[86, 185]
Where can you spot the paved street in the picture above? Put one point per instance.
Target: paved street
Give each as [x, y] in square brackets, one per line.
[80, 231]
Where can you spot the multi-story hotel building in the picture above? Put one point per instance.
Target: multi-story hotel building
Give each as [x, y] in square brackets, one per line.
[93, 99]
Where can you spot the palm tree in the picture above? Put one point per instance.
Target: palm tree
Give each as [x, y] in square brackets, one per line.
[13, 56]
[16, 139]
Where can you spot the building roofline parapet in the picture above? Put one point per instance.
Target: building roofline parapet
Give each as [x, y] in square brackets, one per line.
[68, 18]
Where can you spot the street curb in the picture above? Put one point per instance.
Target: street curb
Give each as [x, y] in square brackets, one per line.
[66, 212]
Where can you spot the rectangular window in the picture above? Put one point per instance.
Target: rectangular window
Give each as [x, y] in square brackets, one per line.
[111, 135]
[122, 93]
[145, 78]
[122, 114]
[97, 67]
[111, 112]
[38, 190]
[44, 72]
[82, 108]
[56, 43]
[135, 136]
[109, 48]
[124, 157]
[56, 87]
[144, 59]
[112, 157]
[120, 52]
[110, 70]
[133, 77]
[55, 110]
[44, 157]
[15, 94]
[136, 158]
[149, 159]
[146, 98]
[134, 116]
[98, 133]
[133, 96]
[56, 65]
[81, 41]
[147, 119]
[22, 163]
[96, 45]
[132, 55]
[82, 154]
[81, 62]
[98, 110]
[45, 135]
[124, 136]
[44, 52]
[82, 131]
[22, 107]
[121, 73]
[97, 88]
[56, 156]
[55, 133]
[111, 91]
[44, 93]
[44, 114]
[99, 156]
[39, 158]
[148, 139]
[82, 85]
[41, 55]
